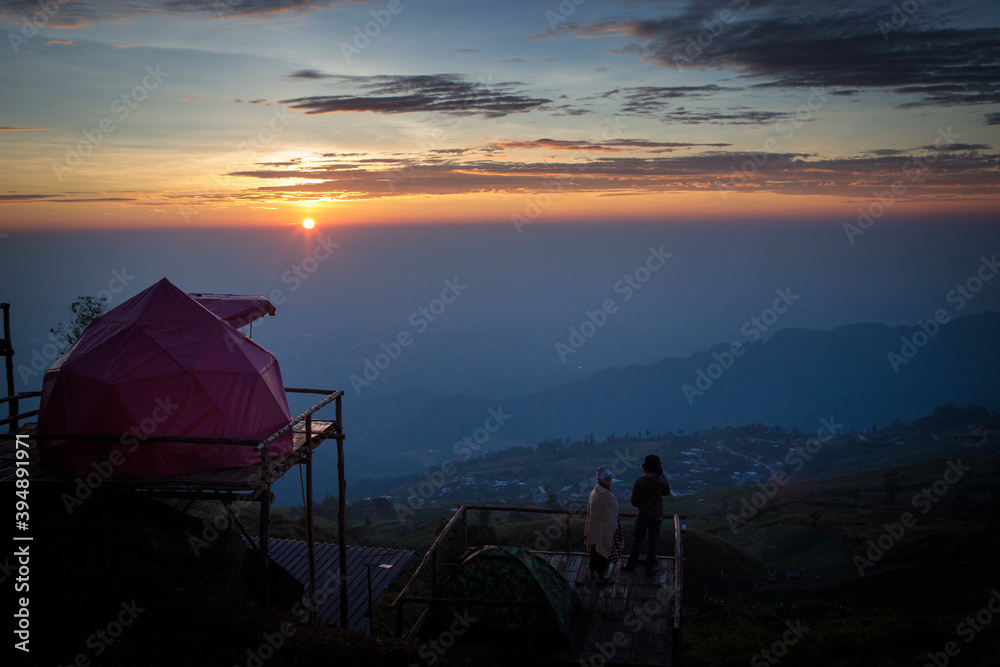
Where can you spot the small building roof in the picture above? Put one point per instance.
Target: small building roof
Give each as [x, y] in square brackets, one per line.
[293, 557]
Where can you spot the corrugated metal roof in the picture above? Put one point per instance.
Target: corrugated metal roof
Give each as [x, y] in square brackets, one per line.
[291, 555]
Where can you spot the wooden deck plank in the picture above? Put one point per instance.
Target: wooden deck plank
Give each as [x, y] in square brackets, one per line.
[625, 622]
[244, 481]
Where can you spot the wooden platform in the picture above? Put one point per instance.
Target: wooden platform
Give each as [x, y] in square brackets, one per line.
[244, 482]
[627, 622]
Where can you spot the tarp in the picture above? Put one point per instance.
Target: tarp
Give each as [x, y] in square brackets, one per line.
[236, 309]
[505, 573]
[160, 364]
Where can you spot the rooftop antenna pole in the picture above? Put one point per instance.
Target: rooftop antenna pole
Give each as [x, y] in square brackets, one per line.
[7, 350]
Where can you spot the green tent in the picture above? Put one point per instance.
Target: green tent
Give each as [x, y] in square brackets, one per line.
[504, 573]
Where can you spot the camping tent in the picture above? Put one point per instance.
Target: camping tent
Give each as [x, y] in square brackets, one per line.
[160, 364]
[236, 309]
[505, 573]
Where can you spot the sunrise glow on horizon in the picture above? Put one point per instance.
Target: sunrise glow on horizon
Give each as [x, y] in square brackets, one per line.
[211, 119]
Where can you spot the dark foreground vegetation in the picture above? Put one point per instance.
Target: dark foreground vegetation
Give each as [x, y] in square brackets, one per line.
[884, 565]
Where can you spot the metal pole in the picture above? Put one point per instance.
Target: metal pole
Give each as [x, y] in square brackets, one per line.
[310, 551]
[434, 573]
[264, 539]
[465, 530]
[342, 515]
[675, 635]
[371, 621]
[8, 352]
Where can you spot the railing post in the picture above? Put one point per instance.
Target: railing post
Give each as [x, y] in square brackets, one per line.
[309, 520]
[434, 573]
[465, 530]
[399, 620]
[569, 528]
[7, 349]
[675, 634]
[342, 515]
[264, 539]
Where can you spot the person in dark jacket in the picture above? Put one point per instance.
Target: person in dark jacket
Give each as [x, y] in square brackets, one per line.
[647, 498]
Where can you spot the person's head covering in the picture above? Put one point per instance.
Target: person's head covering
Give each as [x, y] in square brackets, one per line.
[603, 475]
[652, 464]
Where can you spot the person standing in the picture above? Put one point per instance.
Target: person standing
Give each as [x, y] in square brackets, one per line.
[647, 497]
[602, 519]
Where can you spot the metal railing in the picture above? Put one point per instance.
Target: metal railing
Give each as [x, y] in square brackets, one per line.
[460, 522]
[14, 418]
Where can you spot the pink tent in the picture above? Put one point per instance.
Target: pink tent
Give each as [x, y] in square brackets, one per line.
[161, 364]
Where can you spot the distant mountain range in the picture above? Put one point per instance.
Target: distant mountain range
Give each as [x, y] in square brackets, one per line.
[853, 376]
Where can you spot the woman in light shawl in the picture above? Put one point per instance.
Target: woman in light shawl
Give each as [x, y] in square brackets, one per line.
[602, 519]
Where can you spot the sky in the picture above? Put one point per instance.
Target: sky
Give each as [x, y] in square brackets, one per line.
[140, 114]
[538, 153]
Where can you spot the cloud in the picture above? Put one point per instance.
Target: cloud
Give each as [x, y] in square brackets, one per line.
[66, 42]
[658, 102]
[957, 147]
[610, 146]
[391, 94]
[941, 174]
[24, 129]
[53, 199]
[63, 13]
[309, 74]
[22, 198]
[735, 116]
[653, 99]
[189, 98]
[836, 44]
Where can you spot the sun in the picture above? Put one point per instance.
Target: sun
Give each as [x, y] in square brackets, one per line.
[308, 223]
